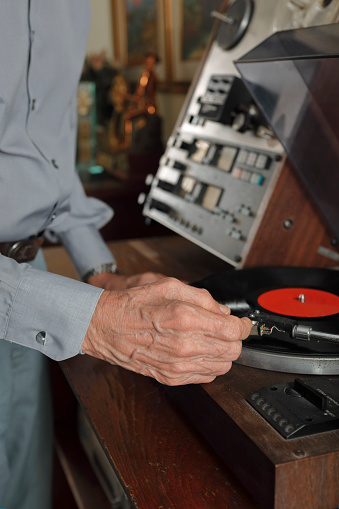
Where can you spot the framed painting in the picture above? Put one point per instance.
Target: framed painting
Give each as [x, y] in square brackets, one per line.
[138, 27]
[177, 30]
[189, 29]
[142, 29]
[197, 24]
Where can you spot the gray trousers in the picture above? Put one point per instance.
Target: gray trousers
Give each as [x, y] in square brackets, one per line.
[26, 426]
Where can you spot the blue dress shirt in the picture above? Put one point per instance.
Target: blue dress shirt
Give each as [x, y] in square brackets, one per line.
[41, 57]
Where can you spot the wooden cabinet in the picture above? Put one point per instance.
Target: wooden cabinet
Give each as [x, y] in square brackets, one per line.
[157, 454]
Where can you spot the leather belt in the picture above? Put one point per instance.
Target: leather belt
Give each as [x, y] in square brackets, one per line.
[22, 250]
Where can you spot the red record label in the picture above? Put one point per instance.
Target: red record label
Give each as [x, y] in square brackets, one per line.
[304, 302]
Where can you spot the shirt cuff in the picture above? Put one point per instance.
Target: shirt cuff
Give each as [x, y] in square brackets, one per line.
[86, 248]
[49, 313]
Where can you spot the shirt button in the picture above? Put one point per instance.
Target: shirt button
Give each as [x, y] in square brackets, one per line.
[41, 337]
[55, 164]
[33, 104]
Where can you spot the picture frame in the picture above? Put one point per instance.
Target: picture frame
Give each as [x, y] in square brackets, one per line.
[197, 24]
[138, 27]
[142, 29]
[178, 30]
[191, 28]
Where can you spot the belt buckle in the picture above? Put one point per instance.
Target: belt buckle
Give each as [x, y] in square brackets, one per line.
[25, 250]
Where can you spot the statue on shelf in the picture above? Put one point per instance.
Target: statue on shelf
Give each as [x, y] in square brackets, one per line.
[139, 126]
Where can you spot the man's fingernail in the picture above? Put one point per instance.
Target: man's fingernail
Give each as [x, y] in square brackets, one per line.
[224, 309]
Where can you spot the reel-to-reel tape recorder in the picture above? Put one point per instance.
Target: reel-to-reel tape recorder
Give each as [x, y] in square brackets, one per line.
[222, 161]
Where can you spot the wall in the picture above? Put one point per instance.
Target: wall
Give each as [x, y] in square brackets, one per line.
[100, 36]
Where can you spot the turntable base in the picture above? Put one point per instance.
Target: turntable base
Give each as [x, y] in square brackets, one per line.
[297, 473]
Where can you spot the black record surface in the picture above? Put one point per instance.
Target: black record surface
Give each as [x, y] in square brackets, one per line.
[240, 290]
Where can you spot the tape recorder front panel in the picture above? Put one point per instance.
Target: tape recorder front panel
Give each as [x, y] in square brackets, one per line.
[222, 161]
[211, 191]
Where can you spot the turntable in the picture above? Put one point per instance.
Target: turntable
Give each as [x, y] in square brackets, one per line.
[294, 312]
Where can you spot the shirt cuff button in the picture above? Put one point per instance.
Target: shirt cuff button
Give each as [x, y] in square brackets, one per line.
[41, 338]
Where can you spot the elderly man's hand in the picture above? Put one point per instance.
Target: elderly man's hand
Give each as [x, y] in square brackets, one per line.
[168, 330]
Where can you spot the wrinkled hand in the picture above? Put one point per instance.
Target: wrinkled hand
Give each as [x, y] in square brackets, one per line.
[118, 282]
[168, 330]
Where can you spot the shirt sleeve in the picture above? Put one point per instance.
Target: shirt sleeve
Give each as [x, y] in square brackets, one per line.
[76, 227]
[44, 311]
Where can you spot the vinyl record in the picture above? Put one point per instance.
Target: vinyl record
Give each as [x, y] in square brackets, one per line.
[308, 297]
